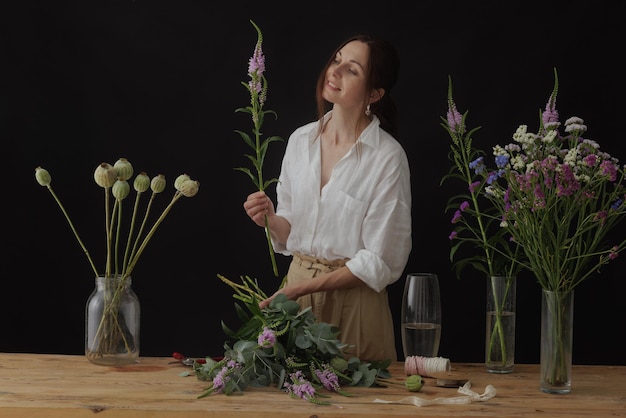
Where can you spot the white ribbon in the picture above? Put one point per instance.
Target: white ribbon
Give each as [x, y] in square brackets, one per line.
[470, 396]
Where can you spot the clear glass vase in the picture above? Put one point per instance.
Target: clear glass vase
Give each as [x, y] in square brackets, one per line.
[500, 325]
[421, 315]
[112, 315]
[557, 324]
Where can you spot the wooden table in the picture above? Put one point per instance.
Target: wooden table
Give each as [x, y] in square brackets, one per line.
[63, 386]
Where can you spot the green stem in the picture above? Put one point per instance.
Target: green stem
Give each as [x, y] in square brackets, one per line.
[80, 241]
[130, 232]
[118, 203]
[498, 330]
[141, 228]
[270, 246]
[134, 259]
[107, 272]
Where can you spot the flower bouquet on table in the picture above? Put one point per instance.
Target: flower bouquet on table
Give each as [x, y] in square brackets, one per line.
[285, 347]
[559, 197]
[110, 337]
[478, 240]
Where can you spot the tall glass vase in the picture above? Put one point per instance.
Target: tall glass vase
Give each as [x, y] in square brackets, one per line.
[500, 325]
[557, 323]
[421, 315]
[112, 316]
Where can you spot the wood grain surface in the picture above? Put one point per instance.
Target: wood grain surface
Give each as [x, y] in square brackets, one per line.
[66, 386]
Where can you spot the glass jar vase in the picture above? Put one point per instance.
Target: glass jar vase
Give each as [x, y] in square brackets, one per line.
[112, 315]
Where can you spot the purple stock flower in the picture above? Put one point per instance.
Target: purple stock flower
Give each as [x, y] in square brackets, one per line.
[550, 116]
[256, 66]
[219, 381]
[455, 119]
[328, 378]
[300, 387]
[267, 338]
[457, 216]
[473, 186]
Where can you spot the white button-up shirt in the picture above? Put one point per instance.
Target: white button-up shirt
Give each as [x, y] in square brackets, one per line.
[362, 213]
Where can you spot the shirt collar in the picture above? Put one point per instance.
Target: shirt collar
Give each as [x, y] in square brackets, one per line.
[370, 135]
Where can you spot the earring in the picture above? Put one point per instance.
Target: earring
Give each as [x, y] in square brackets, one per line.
[368, 111]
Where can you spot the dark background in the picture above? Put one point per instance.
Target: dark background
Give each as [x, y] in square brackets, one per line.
[157, 82]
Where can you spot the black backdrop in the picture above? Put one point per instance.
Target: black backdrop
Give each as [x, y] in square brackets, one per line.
[157, 82]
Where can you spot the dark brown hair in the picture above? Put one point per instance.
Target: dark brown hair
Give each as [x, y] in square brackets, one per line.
[382, 72]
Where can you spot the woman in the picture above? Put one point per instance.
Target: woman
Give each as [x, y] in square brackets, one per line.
[344, 201]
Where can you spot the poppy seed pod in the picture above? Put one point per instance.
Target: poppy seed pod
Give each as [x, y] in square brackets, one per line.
[124, 169]
[180, 180]
[189, 188]
[142, 182]
[158, 183]
[105, 175]
[42, 176]
[120, 189]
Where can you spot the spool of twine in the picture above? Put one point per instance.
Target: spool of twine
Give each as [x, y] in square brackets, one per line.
[425, 366]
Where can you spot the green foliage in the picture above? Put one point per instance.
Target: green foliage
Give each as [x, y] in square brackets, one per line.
[302, 344]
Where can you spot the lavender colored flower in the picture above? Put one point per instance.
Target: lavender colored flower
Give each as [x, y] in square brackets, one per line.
[219, 381]
[328, 378]
[267, 338]
[300, 387]
[550, 116]
[455, 119]
[256, 66]
[473, 186]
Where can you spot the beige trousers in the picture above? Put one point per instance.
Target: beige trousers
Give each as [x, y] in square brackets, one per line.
[362, 314]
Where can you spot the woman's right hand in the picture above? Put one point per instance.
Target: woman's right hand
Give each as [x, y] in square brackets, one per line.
[257, 205]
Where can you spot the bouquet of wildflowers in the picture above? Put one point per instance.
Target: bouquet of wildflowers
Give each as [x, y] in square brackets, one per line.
[476, 223]
[476, 218]
[560, 196]
[283, 346]
[257, 87]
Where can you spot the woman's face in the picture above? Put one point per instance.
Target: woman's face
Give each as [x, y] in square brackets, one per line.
[346, 76]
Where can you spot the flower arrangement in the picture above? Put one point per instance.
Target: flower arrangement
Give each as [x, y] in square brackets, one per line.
[477, 224]
[560, 196]
[257, 87]
[283, 346]
[476, 218]
[122, 251]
